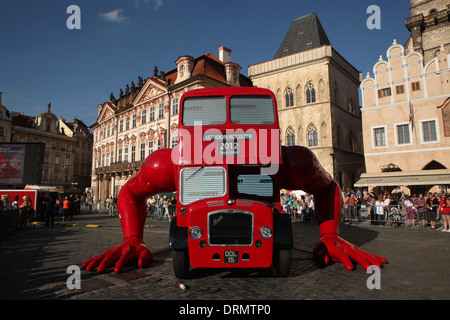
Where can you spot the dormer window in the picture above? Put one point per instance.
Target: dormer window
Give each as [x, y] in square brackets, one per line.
[185, 64]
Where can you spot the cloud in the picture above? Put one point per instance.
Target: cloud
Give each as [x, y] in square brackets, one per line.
[114, 16]
[157, 3]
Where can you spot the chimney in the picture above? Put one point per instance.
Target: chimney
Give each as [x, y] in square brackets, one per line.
[224, 54]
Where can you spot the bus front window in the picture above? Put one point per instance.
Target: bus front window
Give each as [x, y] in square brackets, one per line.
[210, 111]
[252, 110]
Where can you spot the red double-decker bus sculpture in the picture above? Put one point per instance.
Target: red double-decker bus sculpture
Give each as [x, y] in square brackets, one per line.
[228, 170]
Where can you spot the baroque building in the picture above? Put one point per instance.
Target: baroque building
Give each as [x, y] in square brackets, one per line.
[145, 117]
[62, 146]
[317, 97]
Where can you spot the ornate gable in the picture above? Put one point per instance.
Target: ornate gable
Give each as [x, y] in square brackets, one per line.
[106, 111]
[153, 88]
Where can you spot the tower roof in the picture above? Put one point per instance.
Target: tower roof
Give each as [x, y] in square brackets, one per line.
[305, 33]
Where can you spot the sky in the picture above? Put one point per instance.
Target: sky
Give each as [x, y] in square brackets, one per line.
[44, 61]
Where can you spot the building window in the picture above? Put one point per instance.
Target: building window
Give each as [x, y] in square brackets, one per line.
[125, 155]
[400, 89]
[174, 141]
[289, 97]
[119, 156]
[429, 131]
[143, 151]
[386, 92]
[121, 125]
[144, 116]
[415, 86]
[379, 137]
[133, 153]
[2, 131]
[175, 106]
[112, 128]
[290, 137]
[127, 123]
[133, 123]
[161, 111]
[151, 116]
[403, 134]
[111, 157]
[310, 93]
[312, 136]
[150, 147]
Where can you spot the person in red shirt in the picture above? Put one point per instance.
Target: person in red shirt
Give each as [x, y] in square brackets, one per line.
[444, 211]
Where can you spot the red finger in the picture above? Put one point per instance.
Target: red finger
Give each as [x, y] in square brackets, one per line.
[374, 259]
[356, 256]
[340, 255]
[381, 259]
[108, 261]
[94, 262]
[321, 255]
[84, 264]
[144, 257]
[126, 256]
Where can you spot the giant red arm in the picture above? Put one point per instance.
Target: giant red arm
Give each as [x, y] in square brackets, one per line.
[302, 170]
[155, 176]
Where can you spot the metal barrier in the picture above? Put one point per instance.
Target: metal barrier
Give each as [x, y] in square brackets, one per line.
[393, 215]
[350, 213]
[14, 220]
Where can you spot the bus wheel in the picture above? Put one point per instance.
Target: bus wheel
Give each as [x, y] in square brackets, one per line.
[180, 263]
[282, 262]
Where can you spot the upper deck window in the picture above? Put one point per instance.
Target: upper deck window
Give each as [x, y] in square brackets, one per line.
[210, 111]
[252, 110]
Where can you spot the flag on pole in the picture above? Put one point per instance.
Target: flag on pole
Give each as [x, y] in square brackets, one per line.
[411, 115]
[159, 136]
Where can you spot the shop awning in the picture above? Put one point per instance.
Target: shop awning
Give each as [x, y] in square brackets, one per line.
[405, 178]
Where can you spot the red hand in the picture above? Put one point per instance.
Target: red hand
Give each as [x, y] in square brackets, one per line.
[132, 249]
[333, 247]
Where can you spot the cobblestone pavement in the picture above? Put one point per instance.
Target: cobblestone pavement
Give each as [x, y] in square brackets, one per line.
[33, 265]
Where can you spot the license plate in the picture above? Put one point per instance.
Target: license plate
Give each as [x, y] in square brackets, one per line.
[230, 256]
[232, 148]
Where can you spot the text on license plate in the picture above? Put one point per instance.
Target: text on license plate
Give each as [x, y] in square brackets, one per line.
[230, 256]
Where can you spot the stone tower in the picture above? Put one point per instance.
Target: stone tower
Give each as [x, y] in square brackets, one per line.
[429, 26]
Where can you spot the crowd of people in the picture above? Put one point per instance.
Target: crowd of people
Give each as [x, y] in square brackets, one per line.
[162, 207]
[387, 208]
[25, 209]
[299, 206]
[397, 208]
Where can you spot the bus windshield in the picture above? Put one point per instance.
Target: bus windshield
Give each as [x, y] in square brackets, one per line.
[209, 110]
[252, 110]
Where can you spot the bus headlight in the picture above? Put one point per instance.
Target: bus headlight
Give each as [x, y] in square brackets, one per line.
[265, 232]
[195, 233]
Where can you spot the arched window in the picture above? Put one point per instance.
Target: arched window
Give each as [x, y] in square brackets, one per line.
[290, 137]
[310, 93]
[289, 97]
[312, 136]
